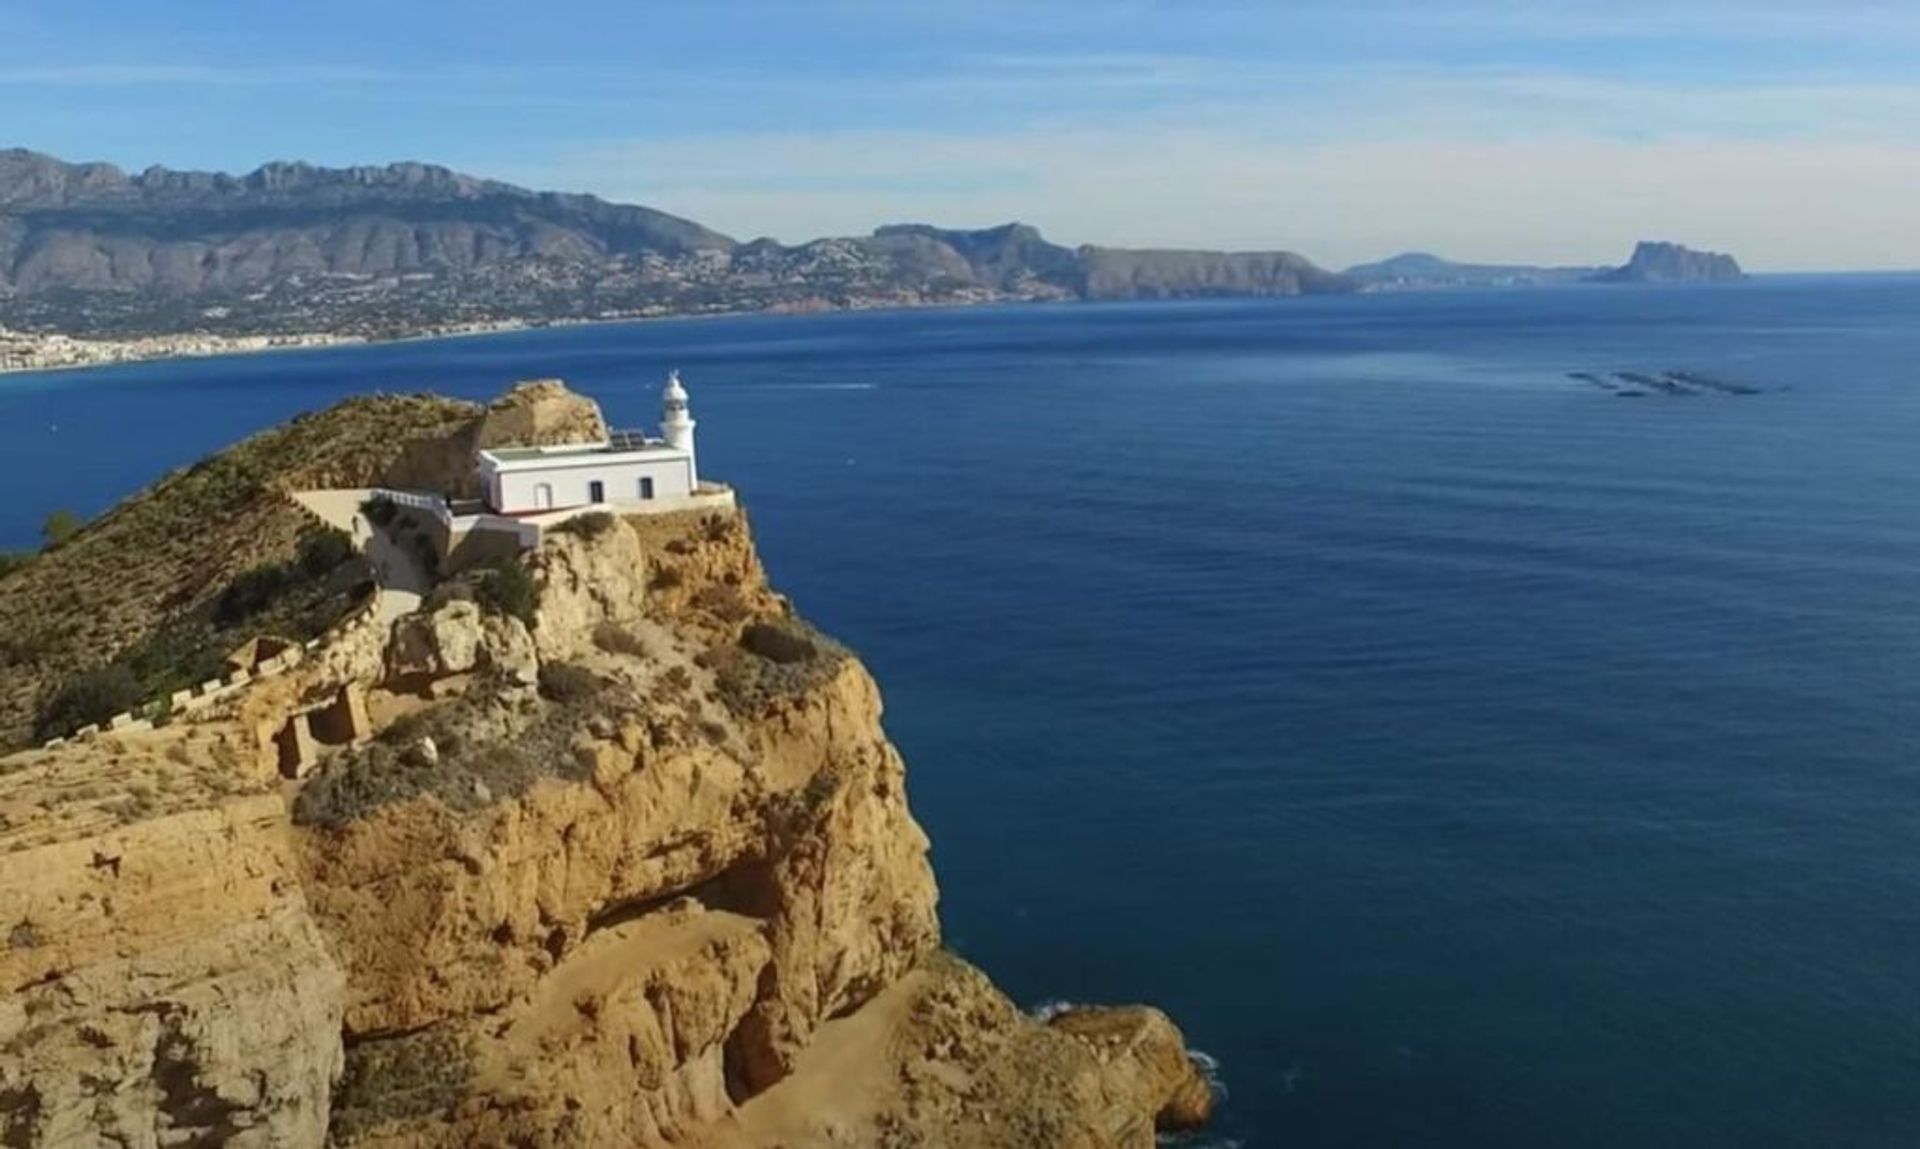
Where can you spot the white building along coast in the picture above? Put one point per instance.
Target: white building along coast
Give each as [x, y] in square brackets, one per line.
[628, 471]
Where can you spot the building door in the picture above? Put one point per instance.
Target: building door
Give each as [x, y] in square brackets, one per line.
[543, 496]
[646, 487]
[596, 492]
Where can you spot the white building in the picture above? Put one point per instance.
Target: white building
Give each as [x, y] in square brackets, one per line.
[626, 470]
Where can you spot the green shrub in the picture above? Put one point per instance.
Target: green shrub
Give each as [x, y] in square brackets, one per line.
[379, 510]
[771, 662]
[402, 1078]
[176, 656]
[89, 697]
[251, 592]
[323, 551]
[28, 643]
[589, 526]
[508, 588]
[568, 682]
[778, 644]
[60, 526]
[616, 639]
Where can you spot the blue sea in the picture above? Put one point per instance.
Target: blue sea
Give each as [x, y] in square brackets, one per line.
[1464, 754]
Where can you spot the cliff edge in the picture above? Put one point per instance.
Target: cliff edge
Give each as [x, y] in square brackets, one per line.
[602, 845]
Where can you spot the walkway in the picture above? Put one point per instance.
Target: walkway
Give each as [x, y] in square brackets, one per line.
[396, 569]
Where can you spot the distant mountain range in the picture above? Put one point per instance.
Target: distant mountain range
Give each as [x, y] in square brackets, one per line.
[87, 248]
[1651, 263]
[410, 248]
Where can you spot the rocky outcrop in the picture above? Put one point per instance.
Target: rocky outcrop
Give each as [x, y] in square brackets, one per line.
[1672, 263]
[458, 638]
[538, 413]
[640, 873]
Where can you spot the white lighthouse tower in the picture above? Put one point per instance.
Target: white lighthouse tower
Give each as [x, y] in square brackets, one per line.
[676, 426]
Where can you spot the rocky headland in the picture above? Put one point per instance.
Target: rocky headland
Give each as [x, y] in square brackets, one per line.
[1651, 263]
[1654, 262]
[602, 845]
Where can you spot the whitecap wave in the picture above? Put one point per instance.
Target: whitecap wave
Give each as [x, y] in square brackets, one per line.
[1209, 1067]
[1048, 1010]
[806, 387]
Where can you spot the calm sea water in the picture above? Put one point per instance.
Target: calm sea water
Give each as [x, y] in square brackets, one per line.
[1464, 756]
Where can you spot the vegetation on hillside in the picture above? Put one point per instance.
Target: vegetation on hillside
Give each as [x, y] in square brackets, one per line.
[434, 752]
[140, 585]
[294, 600]
[772, 661]
[507, 587]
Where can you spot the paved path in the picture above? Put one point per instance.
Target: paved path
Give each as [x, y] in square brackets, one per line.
[396, 570]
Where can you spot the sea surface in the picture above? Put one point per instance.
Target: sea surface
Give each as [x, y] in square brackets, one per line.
[1464, 754]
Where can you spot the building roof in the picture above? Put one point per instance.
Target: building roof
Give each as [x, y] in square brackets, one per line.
[617, 443]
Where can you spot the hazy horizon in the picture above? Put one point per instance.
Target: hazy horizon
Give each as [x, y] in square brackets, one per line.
[1488, 132]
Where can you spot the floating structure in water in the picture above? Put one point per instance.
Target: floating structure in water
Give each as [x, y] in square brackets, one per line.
[1636, 384]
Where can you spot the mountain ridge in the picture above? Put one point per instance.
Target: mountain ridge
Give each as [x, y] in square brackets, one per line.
[399, 248]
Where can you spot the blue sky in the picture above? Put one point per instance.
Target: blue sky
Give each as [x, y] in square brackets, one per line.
[1541, 131]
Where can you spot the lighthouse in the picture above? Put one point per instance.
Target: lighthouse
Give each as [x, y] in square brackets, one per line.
[676, 426]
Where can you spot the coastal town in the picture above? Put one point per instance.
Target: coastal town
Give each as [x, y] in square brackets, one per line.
[48, 351]
[54, 351]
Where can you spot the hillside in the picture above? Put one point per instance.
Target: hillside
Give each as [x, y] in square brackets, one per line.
[139, 587]
[596, 845]
[409, 248]
[90, 227]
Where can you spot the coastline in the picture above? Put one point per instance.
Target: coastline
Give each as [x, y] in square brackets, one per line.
[324, 341]
[328, 341]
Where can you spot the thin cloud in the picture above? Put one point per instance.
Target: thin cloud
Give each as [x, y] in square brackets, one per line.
[1549, 199]
[190, 75]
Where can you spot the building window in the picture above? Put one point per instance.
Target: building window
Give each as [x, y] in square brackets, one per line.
[596, 492]
[646, 488]
[543, 496]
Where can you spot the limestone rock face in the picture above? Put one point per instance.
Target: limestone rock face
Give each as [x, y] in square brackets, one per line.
[538, 413]
[643, 874]
[458, 637]
[584, 583]
[167, 986]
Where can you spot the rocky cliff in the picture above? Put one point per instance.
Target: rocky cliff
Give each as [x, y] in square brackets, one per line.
[625, 862]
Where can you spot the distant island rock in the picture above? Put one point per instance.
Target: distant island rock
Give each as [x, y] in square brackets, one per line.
[374, 252]
[1671, 263]
[1422, 271]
